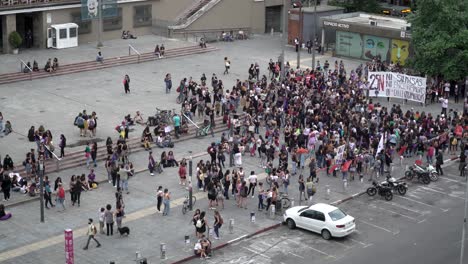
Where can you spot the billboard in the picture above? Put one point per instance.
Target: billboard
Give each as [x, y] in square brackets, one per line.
[375, 46]
[397, 85]
[90, 9]
[348, 44]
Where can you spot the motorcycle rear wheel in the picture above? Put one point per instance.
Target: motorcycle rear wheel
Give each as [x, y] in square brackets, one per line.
[371, 191]
[388, 196]
[434, 176]
[425, 179]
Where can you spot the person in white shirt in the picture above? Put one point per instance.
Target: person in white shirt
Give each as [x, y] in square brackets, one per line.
[444, 102]
[252, 183]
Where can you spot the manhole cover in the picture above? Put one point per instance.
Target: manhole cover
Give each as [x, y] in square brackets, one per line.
[42, 111]
[3, 98]
[82, 142]
[108, 80]
[2, 236]
[21, 138]
[155, 72]
[58, 89]
[97, 101]
[148, 91]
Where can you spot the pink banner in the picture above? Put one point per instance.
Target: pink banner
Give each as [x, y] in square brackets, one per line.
[69, 255]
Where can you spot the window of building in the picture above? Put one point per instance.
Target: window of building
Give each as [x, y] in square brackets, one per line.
[142, 16]
[84, 27]
[63, 33]
[113, 23]
[72, 32]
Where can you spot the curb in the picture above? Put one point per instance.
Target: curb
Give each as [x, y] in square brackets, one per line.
[225, 244]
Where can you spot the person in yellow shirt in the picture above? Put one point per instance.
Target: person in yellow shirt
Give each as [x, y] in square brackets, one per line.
[92, 231]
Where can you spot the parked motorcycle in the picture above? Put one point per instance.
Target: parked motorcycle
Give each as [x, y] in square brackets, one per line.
[433, 174]
[400, 186]
[422, 175]
[382, 190]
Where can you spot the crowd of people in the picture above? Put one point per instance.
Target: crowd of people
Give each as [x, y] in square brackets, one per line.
[50, 66]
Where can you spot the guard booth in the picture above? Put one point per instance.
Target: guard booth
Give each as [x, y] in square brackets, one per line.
[62, 36]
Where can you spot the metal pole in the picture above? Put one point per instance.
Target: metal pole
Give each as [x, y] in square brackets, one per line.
[462, 250]
[191, 183]
[41, 189]
[315, 34]
[99, 42]
[298, 64]
[284, 39]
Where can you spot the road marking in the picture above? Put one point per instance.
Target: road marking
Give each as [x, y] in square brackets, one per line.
[422, 221]
[257, 253]
[406, 208]
[412, 195]
[309, 247]
[393, 212]
[376, 226]
[451, 180]
[419, 202]
[295, 255]
[357, 241]
[436, 191]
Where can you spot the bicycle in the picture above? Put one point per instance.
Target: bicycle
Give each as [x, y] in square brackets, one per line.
[284, 200]
[185, 205]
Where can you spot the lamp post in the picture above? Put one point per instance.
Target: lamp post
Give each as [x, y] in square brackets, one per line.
[41, 187]
[462, 250]
[315, 34]
[99, 42]
[284, 38]
[190, 183]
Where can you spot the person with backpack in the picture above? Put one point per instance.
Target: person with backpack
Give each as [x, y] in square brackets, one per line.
[79, 122]
[218, 222]
[200, 225]
[91, 233]
[61, 196]
[311, 189]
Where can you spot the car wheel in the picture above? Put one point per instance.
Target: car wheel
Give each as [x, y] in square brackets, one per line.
[326, 234]
[291, 224]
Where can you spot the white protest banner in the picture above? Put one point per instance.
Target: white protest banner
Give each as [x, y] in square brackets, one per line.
[339, 154]
[397, 85]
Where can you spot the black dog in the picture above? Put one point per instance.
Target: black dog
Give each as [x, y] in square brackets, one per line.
[124, 230]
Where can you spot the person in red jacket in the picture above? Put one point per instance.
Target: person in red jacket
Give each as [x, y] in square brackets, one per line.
[61, 196]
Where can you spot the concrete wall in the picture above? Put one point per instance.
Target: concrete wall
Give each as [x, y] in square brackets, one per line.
[170, 9]
[274, 2]
[308, 26]
[233, 14]
[8, 26]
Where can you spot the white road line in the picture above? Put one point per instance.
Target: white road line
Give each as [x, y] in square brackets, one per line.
[436, 191]
[236, 239]
[419, 202]
[266, 244]
[314, 249]
[412, 195]
[256, 252]
[376, 226]
[393, 212]
[357, 241]
[451, 180]
[437, 188]
[422, 221]
[295, 255]
[406, 208]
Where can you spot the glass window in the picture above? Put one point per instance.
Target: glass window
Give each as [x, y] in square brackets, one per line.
[142, 16]
[113, 23]
[308, 214]
[336, 215]
[84, 26]
[319, 216]
[72, 32]
[63, 33]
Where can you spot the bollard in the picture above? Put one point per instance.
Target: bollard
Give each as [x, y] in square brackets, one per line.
[163, 250]
[137, 255]
[361, 178]
[208, 230]
[272, 31]
[327, 194]
[345, 184]
[231, 226]
[187, 239]
[252, 217]
[292, 202]
[272, 211]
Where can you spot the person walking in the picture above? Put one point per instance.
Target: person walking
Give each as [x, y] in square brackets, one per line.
[151, 163]
[439, 162]
[166, 202]
[48, 195]
[126, 83]
[91, 233]
[62, 145]
[119, 215]
[6, 187]
[109, 220]
[301, 188]
[227, 65]
[168, 82]
[159, 196]
[311, 189]
[218, 222]
[261, 195]
[123, 175]
[252, 183]
[87, 154]
[176, 120]
[94, 150]
[101, 215]
[61, 196]
[77, 188]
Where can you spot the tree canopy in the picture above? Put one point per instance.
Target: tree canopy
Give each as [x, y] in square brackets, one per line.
[439, 37]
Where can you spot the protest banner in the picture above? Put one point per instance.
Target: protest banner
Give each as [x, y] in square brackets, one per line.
[397, 85]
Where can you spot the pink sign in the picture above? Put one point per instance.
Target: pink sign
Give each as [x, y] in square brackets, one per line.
[69, 255]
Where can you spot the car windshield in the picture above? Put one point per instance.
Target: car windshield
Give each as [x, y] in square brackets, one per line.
[336, 215]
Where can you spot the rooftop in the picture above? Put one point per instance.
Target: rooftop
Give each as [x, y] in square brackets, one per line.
[321, 8]
[364, 19]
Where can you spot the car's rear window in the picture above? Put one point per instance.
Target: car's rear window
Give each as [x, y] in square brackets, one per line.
[337, 215]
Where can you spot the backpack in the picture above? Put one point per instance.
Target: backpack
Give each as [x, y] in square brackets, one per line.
[91, 124]
[454, 141]
[94, 229]
[244, 191]
[199, 223]
[221, 221]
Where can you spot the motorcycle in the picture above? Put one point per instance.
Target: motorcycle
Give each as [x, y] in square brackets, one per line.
[400, 186]
[422, 175]
[382, 190]
[433, 174]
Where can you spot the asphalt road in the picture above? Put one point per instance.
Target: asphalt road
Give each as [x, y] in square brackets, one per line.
[424, 226]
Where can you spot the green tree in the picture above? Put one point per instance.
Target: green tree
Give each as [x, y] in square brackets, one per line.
[439, 37]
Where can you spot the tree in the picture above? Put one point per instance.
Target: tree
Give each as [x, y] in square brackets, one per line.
[439, 37]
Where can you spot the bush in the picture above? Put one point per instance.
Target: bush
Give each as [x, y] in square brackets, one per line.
[15, 39]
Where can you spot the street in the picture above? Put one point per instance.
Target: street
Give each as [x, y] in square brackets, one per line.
[408, 229]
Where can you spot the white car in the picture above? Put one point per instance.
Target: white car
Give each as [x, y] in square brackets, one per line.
[325, 219]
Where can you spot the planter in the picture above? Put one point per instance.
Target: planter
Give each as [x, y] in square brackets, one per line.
[15, 51]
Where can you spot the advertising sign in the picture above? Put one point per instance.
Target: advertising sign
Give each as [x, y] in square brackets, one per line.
[69, 253]
[90, 9]
[396, 85]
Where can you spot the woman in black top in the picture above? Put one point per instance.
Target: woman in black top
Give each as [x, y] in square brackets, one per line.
[201, 225]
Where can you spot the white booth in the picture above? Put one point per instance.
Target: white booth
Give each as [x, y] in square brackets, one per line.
[62, 36]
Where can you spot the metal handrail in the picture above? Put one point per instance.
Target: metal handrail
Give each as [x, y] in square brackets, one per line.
[130, 48]
[25, 65]
[57, 159]
[193, 123]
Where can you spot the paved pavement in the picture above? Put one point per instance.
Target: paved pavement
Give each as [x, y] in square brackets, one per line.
[424, 226]
[54, 102]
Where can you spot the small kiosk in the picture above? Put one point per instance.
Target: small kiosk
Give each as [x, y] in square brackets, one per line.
[62, 36]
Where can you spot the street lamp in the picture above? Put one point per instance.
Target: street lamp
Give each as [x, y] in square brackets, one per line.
[315, 34]
[298, 4]
[190, 183]
[462, 250]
